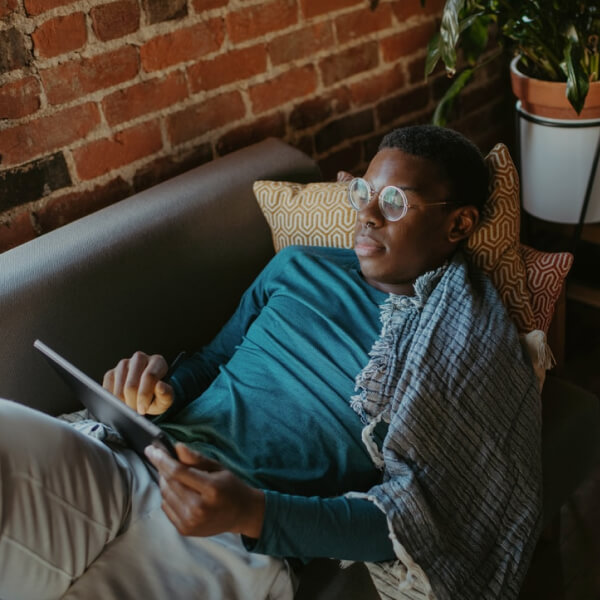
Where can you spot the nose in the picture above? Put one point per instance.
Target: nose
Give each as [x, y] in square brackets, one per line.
[370, 215]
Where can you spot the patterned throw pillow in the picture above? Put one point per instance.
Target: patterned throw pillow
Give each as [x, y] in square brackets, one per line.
[317, 214]
[529, 281]
[546, 272]
[494, 245]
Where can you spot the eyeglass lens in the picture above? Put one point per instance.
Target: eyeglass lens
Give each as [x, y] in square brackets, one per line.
[392, 201]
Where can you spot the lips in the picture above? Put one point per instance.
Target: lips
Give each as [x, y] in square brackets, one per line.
[367, 246]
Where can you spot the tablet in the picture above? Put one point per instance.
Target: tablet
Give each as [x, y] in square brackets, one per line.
[137, 431]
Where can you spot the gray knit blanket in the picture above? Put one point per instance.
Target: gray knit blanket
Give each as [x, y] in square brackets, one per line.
[461, 458]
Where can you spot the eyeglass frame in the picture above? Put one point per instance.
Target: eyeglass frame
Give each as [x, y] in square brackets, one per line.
[373, 192]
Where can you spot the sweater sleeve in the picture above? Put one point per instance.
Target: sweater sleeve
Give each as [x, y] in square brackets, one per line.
[196, 372]
[310, 527]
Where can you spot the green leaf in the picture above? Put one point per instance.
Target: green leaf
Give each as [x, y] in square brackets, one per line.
[445, 105]
[449, 33]
[475, 38]
[433, 54]
[577, 80]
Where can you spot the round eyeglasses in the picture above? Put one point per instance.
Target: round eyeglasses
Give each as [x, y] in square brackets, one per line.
[392, 200]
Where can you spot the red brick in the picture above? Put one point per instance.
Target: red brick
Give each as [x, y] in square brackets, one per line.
[416, 70]
[74, 79]
[287, 86]
[33, 180]
[319, 108]
[235, 65]
[407, 42]
[269, 126]
[312, 8]
[37, 7]
[349, 62]
[378, 87]
[19, 98]
[301, 43]
[127, 146]
[114, 20]
[182, 45]
[345, 159]
[439, 86]
[344, 129]
[13, 53]
[257, 20]
[474, 98]
[202, 5]
[38, 137]
[362, 22]
[305, 144]
[69, 207]
[60, 35]
[166, 167]
[393, 109]
[16, 230]
[201, 118]
[144, 98]
[7, 7]
[158, 11]
[405, 10]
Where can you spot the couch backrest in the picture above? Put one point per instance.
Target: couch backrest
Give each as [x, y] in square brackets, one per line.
[160, 271]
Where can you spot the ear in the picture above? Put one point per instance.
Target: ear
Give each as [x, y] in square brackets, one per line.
[344, 176]
[463, 222]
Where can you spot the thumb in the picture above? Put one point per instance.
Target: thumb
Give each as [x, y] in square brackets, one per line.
[194, 459]
[163, 398]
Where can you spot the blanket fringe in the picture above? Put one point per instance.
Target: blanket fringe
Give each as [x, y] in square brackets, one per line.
[540, 353]
[369, 442]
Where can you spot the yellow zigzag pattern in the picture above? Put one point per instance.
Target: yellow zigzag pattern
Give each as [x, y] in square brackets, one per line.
[317, 214]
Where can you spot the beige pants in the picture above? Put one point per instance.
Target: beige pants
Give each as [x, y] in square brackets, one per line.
[82, 521]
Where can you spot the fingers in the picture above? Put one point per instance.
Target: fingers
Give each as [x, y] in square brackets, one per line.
[185, 508]
[142, 376]
[136, 381]
[114, 380]
[191, 475]
[203, 503]
[190, 457]
[163, 398]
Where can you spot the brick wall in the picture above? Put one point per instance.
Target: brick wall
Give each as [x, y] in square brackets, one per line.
[101, 99]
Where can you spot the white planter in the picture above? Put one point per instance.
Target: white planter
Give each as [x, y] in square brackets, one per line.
[556, 161]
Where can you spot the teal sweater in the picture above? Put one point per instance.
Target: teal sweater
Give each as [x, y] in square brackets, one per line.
[269, 398]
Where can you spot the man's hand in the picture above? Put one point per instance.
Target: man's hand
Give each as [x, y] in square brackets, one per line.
[201, 498]
[137, 382]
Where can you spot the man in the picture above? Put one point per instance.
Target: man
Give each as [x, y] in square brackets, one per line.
[274, 447]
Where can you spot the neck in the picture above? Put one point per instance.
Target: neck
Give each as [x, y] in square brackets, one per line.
[404, 288]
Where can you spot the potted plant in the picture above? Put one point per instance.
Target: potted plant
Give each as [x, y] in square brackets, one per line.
[556, 44]
[556, 40]
[555, 77]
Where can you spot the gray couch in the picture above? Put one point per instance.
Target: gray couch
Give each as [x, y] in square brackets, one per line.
[161, 271]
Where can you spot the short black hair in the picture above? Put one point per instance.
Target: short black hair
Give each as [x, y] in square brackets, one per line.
[459, 160]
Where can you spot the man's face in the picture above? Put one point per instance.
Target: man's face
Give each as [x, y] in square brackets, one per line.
[392, 254]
